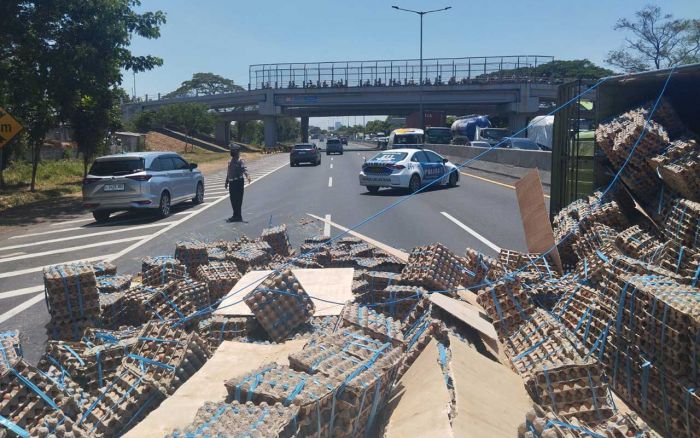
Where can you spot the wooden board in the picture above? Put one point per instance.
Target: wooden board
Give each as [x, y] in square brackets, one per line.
[331, 284]
[491, 398]
[230, 360]
[538, 230]
[420, 407]
[471, 317]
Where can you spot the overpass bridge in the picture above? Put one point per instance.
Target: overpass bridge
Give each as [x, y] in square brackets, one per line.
[503, 86]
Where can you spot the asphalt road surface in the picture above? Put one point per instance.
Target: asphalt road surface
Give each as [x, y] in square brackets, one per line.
[478, 213]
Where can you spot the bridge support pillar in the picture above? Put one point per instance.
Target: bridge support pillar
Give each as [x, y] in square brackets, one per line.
[222, 133]
[516, 122]
[240, 127]
[270, 131]
[304, 129]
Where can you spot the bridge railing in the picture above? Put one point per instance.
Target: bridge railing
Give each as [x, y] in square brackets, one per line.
[398, 72]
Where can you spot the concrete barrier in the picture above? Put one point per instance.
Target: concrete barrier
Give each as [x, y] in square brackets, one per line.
[515, 157]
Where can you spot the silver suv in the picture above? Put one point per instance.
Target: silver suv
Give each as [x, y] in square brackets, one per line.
[141, 181]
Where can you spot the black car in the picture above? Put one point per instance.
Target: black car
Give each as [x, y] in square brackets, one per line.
[334, 146]
[344, 140]
[304, 153]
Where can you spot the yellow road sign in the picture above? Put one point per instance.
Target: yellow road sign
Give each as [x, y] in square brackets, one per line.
[9, 127]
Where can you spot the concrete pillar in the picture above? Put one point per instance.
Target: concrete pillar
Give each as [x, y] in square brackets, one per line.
[270, 131]
[304, 129]
[222, 133]
[516, 122]
[240, 127]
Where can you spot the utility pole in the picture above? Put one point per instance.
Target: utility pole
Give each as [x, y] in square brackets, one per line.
[420, 83]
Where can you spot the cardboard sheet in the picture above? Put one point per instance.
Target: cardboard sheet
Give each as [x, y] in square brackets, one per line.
[491, 398]
[231, 359]
[470, 316]
[420, 409]
[332, 284]
[538, 230]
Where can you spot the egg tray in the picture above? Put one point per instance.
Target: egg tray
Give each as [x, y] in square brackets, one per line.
[111, 309]
[682, 261]
[683, 176]
[160, 270]
[191, 254]
[479, 268]
[10, 348]
[435, 268]
[69, 329]
[637, 243]
[278, 240]
[168, 355]
[122, 404]
[215, 254]
[538, 264]
[58, 425]
[347, 241]
[248, 257]
[100, 336]
[573, 389]
[373, 323]
[71, 291]
[230, 245]
[507, 304]
[395, 300]
[682, 225]
[220, 278]
[593, 238]
[221, 419]
[104, 268]
[379, 280]
[113, 283]
[176, 301]
[280, 305]
[29, 396]
[219, 328]
[667, 403]
[273, 383]
[383, 264]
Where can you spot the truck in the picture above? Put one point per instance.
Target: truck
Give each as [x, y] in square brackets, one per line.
[430, 118]
[540, 131]
[476, 128]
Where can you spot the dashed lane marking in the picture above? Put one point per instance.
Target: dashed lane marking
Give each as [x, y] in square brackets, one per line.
[81, 236]
[330, 181]
[41, 268]
[327, 226]
[18, 292]
[484, 240]
[74, 248]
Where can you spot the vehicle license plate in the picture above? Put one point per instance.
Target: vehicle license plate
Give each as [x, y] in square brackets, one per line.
[114, 188]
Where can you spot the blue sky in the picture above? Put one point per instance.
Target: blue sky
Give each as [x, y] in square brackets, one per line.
[226, 36]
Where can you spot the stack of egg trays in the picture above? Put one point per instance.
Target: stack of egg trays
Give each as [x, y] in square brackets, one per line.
[111, 309]
[314, 243]
[273, 383]
[175, 301]
[379, 280]
[58, 425]
[435, 268]
[364, 369]
[541, 341]
[394, 300]
[220, 277]
[219, 328]
[573, 389]
[193, 291]
[478, 268]
[192, 254]
[219, 419]
[10, 348]
[383, 263]
[29, 396]
[278, 240]
[507, 304]
[113, 283]
[159, 270]
[104, 268]
[280, 305]
[248, 257]
[215, 253]
[168, 355]
[137, 309]
[99, 336]
[534, 263]
[72, 298]
[637, 243]
[121, 404]
[372, 323]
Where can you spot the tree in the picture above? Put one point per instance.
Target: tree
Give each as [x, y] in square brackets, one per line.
[288, 129]
[574, 69]
[374, 126]
[190, 118]
[205, 84]
[656, 40]
[92, 46]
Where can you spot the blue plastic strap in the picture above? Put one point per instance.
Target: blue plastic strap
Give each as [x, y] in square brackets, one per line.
[151, 361]
[686, 399]
[99, 369]
[13, 427]
[26, 382]
[71, 351]
[595, 399]
[645, 383]
[295, 392]
[582, 430]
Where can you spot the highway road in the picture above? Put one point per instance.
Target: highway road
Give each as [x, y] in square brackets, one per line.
[477, 213]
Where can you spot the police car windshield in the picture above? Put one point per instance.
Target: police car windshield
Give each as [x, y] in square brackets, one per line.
[390, 157]
[408, 139]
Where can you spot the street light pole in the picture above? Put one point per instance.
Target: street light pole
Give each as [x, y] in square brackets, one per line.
[420, 76]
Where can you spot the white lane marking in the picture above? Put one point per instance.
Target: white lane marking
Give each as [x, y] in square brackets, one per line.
[74, 248]
[18, 292]
[81, 236]
[327, 226]
[21, 308]
[484, 240]
[331, 158]
[330, 181]
[74, 221]
[331, 165]
[184, 212]
[178, 222]
[12, 253]
[41, 268]
[217, 192]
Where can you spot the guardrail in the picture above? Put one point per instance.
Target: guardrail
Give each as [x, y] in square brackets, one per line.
[515, 157]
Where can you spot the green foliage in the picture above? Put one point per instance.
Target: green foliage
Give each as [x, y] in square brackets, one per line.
[189, 118]
[575, 69]
[205, 84]
[288, 129]
[253, 132]
[375, 126]
[657, 41]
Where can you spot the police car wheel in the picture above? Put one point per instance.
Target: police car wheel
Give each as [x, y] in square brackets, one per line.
[372, 189]
[453, 179]
[414, 184]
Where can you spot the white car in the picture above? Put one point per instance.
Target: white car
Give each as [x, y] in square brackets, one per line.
[407, 168]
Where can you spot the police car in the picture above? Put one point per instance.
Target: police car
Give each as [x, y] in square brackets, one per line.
[407, 168]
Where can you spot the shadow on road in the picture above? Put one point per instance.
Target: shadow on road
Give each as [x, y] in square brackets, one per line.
[395, 192]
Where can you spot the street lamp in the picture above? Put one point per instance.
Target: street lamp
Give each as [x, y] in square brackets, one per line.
[420, 83]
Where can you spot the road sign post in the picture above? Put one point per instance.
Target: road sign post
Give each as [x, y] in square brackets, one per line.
[9, 127]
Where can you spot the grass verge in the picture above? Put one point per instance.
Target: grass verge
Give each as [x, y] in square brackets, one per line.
[53, 179]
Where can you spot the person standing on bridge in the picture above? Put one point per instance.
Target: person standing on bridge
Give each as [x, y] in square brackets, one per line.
[234, 182]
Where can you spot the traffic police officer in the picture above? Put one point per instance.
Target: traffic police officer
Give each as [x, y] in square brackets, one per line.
[234, 182]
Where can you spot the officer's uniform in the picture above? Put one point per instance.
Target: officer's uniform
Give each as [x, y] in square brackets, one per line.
[236, 171]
